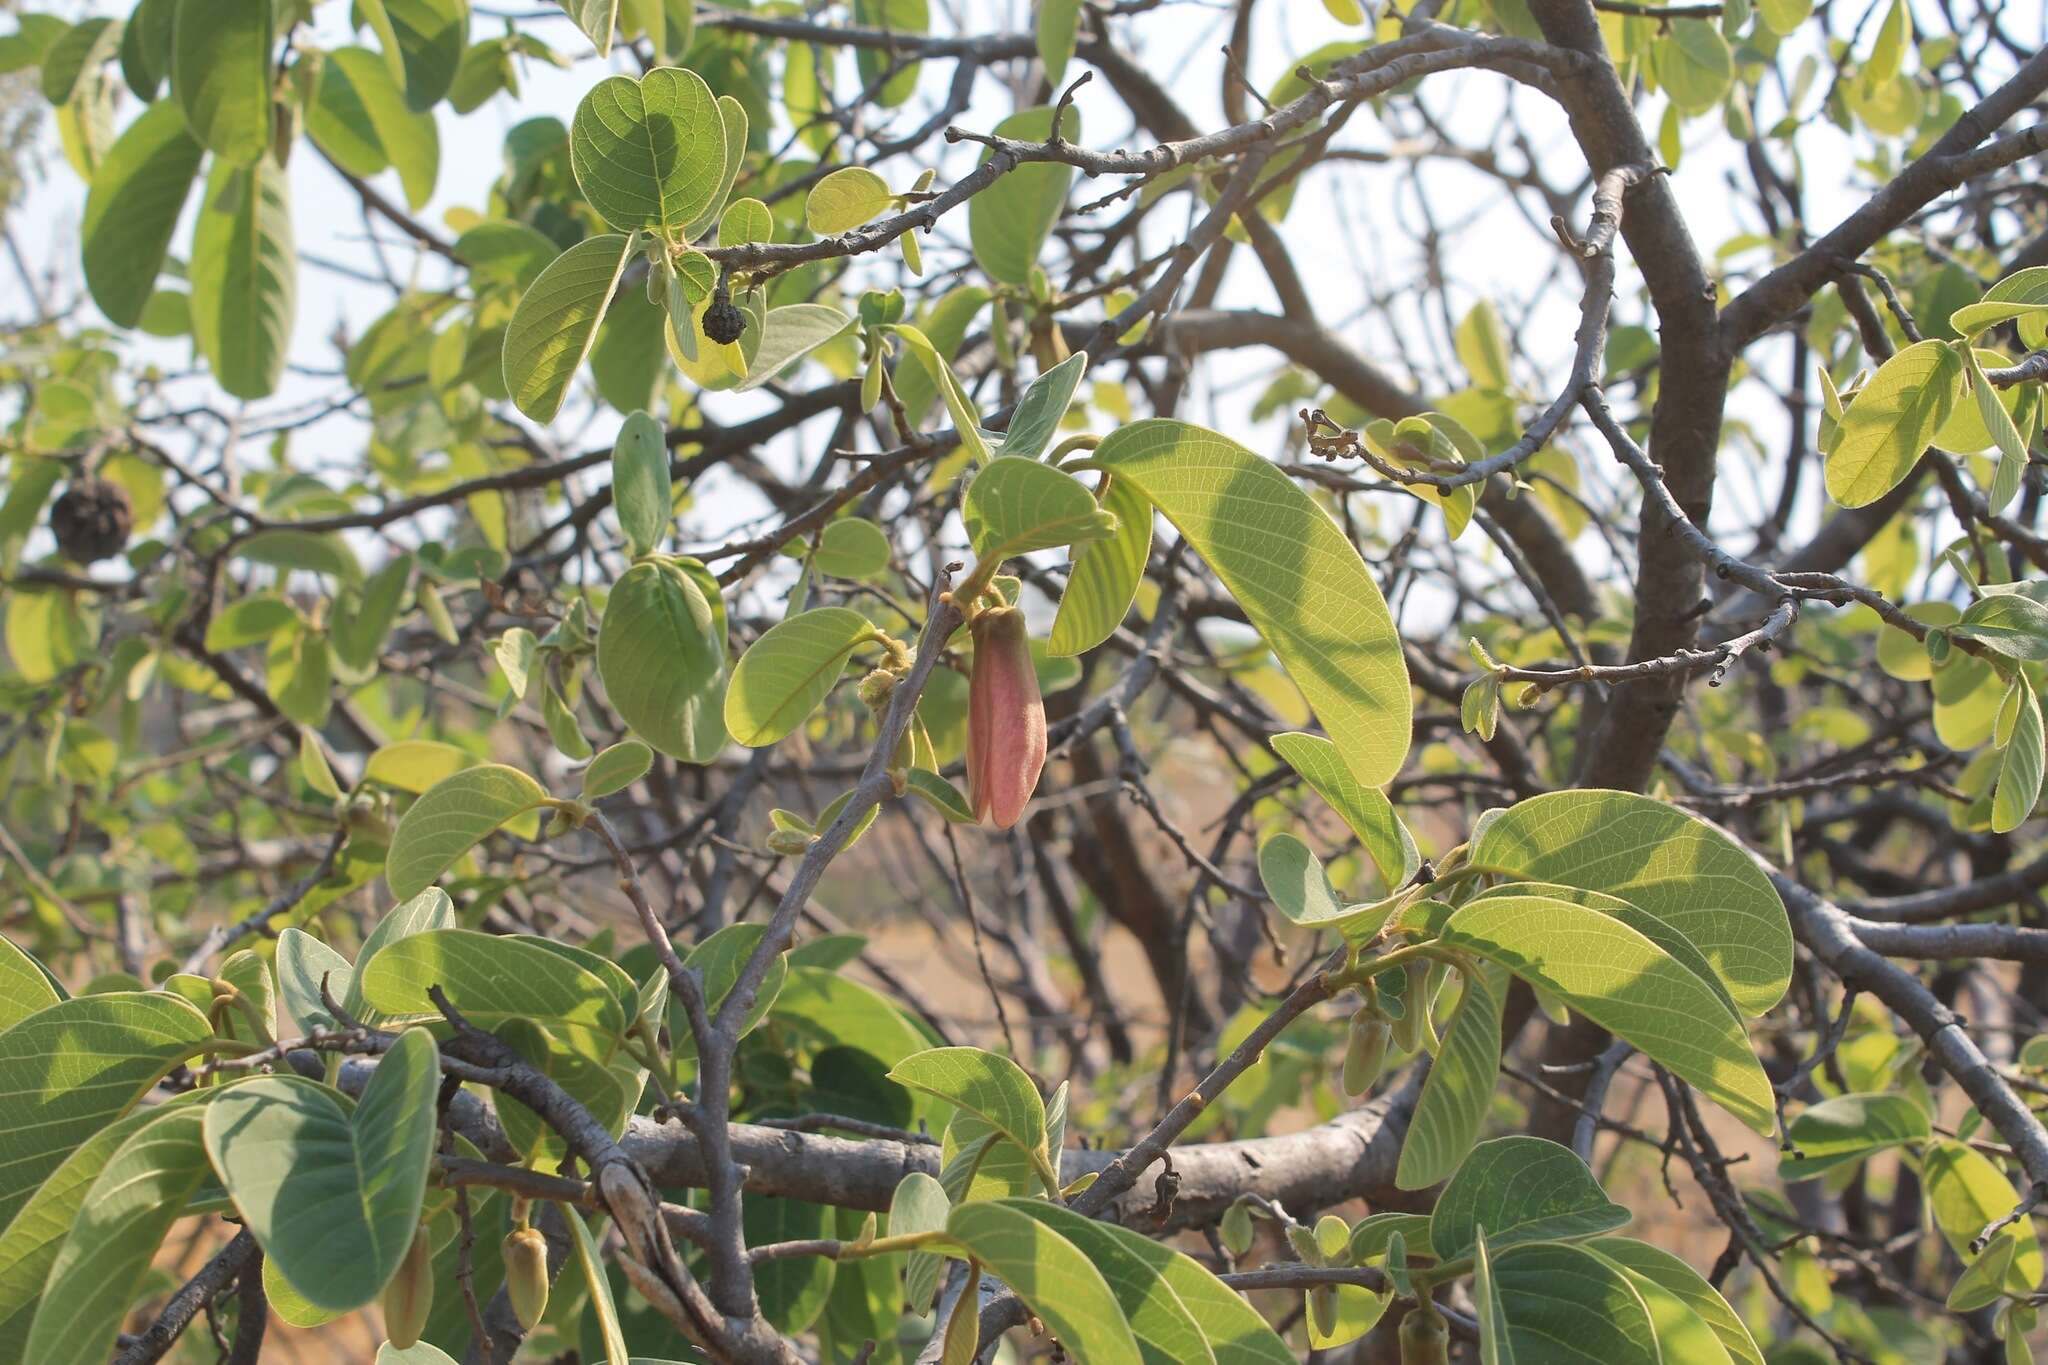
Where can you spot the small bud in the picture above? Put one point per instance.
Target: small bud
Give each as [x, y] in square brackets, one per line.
[1005, 719]
[410, 1295]
[723, 321]
[790, 843]
[526, 1274]
[1365, 1051]
[875, 690]
[1322, 1309]
[1424, 1338]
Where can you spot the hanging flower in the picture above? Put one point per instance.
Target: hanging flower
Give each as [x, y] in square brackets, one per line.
[1005, 719]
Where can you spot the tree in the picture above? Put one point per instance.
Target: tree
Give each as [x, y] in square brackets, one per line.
[1602, 663]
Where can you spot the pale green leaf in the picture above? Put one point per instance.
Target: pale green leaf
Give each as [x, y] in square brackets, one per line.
[1495, 1345]
[1291, 569]
[1051, 1275]
[1293, 876]
[1366, 810]
[1460, 1084]
[1008, 222]
[432, 36]
[851, 547]
[1036, 419]
[2019, 765]
[1481, 342]
[1166, 1331]
[359, 117]
[788, 334]
[601, 1304]
[244, 271]
[492, 979]
[786, 673]
[661, 653]
[640, 483]
[451, 818]
[966, 421]
[1058, 24]
[845, 199]
[83, 47]
[1891, 422]
[1848, 1128]
[1567, 1306]
[919, 1205]
[1103, 581]
[1235, 1332]
[986, 1084]
[1016, 505]
[1967, 1193]
[732, 117]
[556, 322]
[616, 768]
[596, 18]
[910, 17]
[25, 984]
[1645, 1262]
[303, 964]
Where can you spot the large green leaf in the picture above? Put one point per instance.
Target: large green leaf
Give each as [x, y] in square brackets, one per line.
[1016, 505]
[25, 986]
[358, 116]
[1234, 1331]
[1848, 1128]
[69, 1070]
[661, 652]
[1624, 982]
[1646, 1262]
[788, 334]
[333, 1196]
[220, 74]
[430, 909]
[1366, 810]
[783, 676]
[792, 1291]
[137, 193]
[492, 979]
[451, 818]
[732, 117]
[649, 153]
[1103, 581]
[244, 273]
[83, 47]
[1567, 1306]
[555, 324]
[1460, 1085]
[1166, 1331]
[1008, 222]
[1051, 1275]
[1687, 872]
[119, 1226]
[1521, 1190]
[1967, 1193]
[1891, 421]
[1290, 568]
[989, 1085]
[432, 35]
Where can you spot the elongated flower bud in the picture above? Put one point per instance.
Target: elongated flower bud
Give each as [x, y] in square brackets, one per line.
[1365, 1051]
[526, 1274]
[1005, 719]
[410, 1295]
[1424, 1338]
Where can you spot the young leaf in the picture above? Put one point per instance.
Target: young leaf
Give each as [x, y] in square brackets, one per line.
[1365, 809]
[616, 769]
[1008, 222]
[786, 673]
[1051, 1275]
[966, 421]
[919, 1205]
[788, 334]
[1039, 412]
[1891, 421]
[845, 199]
[1495, 1347]
[1297, 577]
[556, 322]
[606, 1311]
[2019, 764]
[451, 818]
[1015, 506]
[244, 272]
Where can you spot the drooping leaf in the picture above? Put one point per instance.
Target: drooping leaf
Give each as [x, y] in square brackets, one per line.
[1103, 581]
[640, 482]
[220, 75]
[661, 653]
[1293, 572]
[137, 193]
[1008, 222]
[1044, 404]
[556, 322]
[1521, 1190]
[783, 676]
[2019, 764]
[1891, 421]
[1365, 809]
[1460, 1085]
[451, 818]
[359, 117]
[432, 36]
[244, 270]
[1051, 1275]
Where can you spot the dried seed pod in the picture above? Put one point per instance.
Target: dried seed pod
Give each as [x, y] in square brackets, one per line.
[410, 1295]
[723, 321]
[1005, 719]
[91, 520]
[526, 1274]
[1365, 1050]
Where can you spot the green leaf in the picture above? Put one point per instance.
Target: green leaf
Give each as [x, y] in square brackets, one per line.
[83, 47]
[607, 1312]
[359, 117]
[1235, 1332]
[988, 1085]
[1680, 868]
[220, 75]
[1058, 24]
[1495, 1345]
[1016, 505]
[719, 960]
[1784, 16]
[1891, 422]
[793, 1291]
[69, 1070]
[649, 153]
[1008, 222]
[911, 17]
[303, 962]
[786, 673]
[1967, 1193]
[966, 421]
[919, 1205]
[1626, 983]
[451, 818]
[616, 769]
[1051, 1275]
[25, 985]
[1521, 1190]
[661, 651]
[1293, 876]
[432, 36]
[732, 117]
[2005, 435]
[429, 910]
[1296, 576]
[851, 547]
[1103, 581]
[788, 334]
[596, 18]
[1848, 1128]
[244, 270]
[1365, 809]
[1694, 65]
[1482, 346]
[943, 795]
[1567, 1306]
[1166, 1331]
[2010, 623]
[2024, 293]
[1887, 54]
[1460, 1084]
[492, 979]
[555, 324]
[1044, 405]
[138, 191]
[333, 1196]
[1645, 1262]
[845, 199]
[640, 483]
[943, 328]
[123, 1219]
[2019, 764]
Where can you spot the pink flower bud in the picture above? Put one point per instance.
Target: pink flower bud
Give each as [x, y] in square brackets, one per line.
[1005, 719]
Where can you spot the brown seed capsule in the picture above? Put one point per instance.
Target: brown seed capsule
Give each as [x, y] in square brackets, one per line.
[410, 1295]
[723, 321]
[1005, 719]
[1425, 1340]
[91, 520]
[526, 1274]
[1365, 1051]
